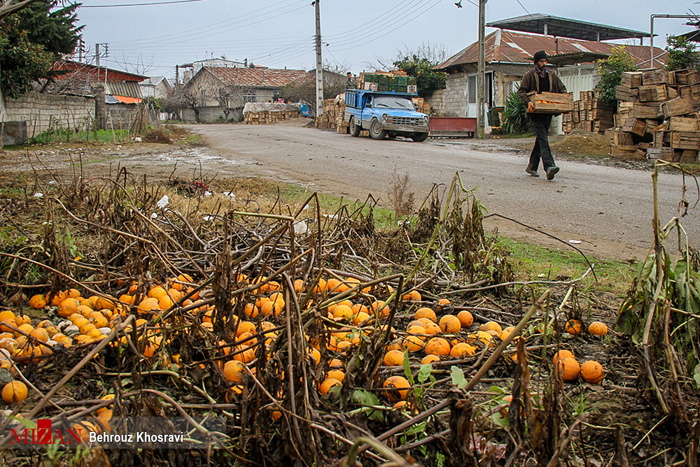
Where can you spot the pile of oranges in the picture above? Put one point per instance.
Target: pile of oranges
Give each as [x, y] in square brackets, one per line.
[438, 332]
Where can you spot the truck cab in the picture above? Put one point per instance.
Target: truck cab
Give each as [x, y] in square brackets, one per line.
[384, 113]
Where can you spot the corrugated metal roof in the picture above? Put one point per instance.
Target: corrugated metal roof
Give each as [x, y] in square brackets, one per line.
[255, 77]
[504, 46]
[566, 27]
[124, 89]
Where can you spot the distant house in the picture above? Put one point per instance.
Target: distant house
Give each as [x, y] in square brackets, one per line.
[122, 93]
[155, 86]
[191, 69]
[508, 56]
[214, 92]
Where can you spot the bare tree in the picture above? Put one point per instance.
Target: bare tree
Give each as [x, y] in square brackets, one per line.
[139, 68]
[434, 53]
[232, 99]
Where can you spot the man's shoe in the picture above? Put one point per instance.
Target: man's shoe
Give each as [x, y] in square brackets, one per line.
[551, 172]
[532, 172]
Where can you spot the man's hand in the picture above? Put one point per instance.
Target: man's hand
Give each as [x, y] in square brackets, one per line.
[530, 107]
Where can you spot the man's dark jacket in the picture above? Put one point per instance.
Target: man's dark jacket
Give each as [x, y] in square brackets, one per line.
[531, 82]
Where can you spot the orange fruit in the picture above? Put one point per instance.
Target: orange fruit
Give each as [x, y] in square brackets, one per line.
[246, 326]
[37, 302]
[101, 303]
[108, 407]
[450, 324]
[491, 326]
[398, 388]
[337, 374]
[568, 369]
[426, 313]
[58, 298]
[67, 307]
[327, 384]
[380, 308]
[393, 358]
[598, 329]
[6, 315]
[320, 287]
[413, 343]
[234, 371]
[157, 292]
[412, 296]
[573, 327]
[149, 305]
[462, 350]
[40, 334]
[592, 371]
[343, 311]
[14, 392]
[443, 303]
[333, 285]
[252, 311]
[429, 359]
[466, 318]
[562, 354]
[438, 346]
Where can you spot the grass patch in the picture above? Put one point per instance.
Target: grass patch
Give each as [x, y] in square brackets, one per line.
[533, 262]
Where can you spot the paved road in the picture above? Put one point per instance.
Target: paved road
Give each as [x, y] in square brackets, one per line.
[609, 209]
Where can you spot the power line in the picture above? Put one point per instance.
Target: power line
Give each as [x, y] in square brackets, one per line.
[139, 4]
[529, 14]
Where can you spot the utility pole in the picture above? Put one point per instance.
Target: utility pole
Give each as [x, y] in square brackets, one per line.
[481, 72]
[177, 76]
[319, 62]
[97, 56]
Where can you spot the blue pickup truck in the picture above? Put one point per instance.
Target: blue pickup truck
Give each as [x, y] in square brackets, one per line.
[384, 113]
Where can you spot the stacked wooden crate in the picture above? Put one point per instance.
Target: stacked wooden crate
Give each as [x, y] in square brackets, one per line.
[422, 105]
[327, 120]
[265, 117]
[657, 116]
[590, 114]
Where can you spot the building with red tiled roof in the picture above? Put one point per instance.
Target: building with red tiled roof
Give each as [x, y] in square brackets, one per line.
[508, 56]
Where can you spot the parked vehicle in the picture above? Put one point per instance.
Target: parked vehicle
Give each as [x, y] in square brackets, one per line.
[384, 113]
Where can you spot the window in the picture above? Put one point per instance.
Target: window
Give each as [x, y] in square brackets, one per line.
[249, 96]
[204, 98]
[471, 89]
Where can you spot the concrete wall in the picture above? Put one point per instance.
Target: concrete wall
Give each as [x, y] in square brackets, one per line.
[437, 102]
[210, 114]
[121, 116]
[455, 95]
[42, 111]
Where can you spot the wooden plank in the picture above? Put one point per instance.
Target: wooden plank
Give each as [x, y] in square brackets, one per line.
[685, 140]
[689, 156]
[683, 124]
[623, 151]
[624, 93]
[659, 138]
[645, 111]
[657, 76]
[655, 92]
[687, 77]
[661, 153]
[639, 155]
[636, 126]
[677, 107]
[632, 79]
[619, 138]
[652, 124]
[552, 102]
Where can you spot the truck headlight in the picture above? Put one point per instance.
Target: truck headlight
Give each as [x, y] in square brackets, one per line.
[425, 120]
[385, 118]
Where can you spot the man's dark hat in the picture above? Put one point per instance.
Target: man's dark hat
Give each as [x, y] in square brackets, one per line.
[539, 56]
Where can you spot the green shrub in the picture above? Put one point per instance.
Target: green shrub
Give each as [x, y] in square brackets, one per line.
[515, 121]
[611, 70]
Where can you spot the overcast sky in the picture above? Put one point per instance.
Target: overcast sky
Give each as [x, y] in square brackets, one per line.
[155, 35]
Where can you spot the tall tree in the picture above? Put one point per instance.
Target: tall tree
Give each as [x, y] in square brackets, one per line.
[31, 40]
[681, 54]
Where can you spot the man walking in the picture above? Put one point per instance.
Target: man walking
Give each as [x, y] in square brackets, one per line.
[540, 79]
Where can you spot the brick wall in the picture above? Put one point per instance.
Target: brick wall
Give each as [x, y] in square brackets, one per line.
[43, 110]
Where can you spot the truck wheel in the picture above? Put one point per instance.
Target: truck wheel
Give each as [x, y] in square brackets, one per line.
[354, 127]
[375, 130]
[419, 137]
